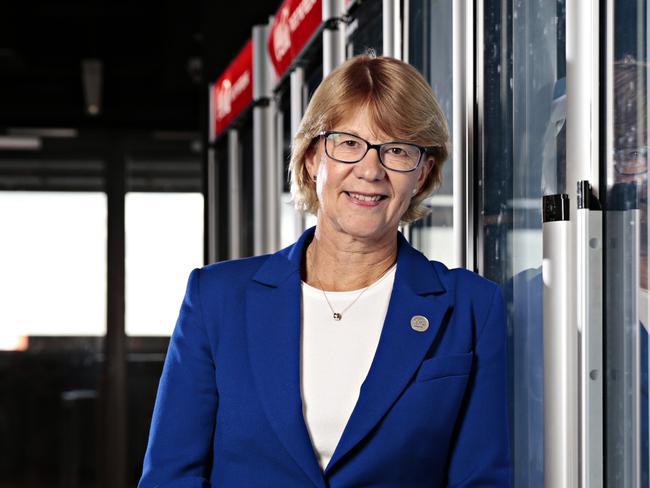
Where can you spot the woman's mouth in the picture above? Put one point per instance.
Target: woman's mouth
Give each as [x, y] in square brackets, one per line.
[363, 199]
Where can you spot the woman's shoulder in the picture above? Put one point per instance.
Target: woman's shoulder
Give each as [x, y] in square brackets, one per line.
[231, 272]
[466, 285]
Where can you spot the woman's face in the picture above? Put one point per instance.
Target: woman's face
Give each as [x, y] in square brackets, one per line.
[363, 200]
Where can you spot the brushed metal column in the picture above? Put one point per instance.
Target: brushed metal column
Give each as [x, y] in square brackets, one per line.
[298, 100]
[263, 143]
[234, 194]
[583, 38]
[392, 28]
[590, 328]
[623, 351]
[463, 132]
[560, 350]
[210, 206]
[211, 218]
[333, 35]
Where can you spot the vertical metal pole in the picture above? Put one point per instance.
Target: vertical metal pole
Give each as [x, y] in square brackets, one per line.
[560, 350]
[582, 68]
[470, 97]
[211, 215]
[297, 102]
[388, 27]
[115, 367]
[263, 152]
[333, 36]
[459, 143]
[259, 175]
[590, 329]
[234, 194]
[406, 24]
[623, 354]
[463, 127]
[211, 207]
[582, 163]
[273, 182]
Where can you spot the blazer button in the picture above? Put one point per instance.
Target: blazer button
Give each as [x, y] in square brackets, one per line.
[419, 323]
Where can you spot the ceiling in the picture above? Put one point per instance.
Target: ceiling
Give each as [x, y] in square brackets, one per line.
[156, 57]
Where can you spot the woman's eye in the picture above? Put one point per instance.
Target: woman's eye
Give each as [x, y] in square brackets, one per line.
[351, 143]
[397, 151]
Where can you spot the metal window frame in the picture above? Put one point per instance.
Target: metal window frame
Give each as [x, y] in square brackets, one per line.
[464, 115]
[333, 35]
[264, 153]
[114, 389]
[590, 328]
[235, 194]
[298, 98]
[392, 28]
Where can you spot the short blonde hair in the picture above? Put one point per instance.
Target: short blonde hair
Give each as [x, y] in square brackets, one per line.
[401, 104]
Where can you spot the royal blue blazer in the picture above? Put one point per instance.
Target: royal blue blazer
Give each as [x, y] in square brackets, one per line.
[432, 411]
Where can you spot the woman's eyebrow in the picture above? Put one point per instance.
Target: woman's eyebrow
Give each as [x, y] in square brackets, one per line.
[350, 131]
[355, 133]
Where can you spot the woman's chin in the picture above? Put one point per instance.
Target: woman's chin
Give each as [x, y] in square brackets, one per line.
[368, 230]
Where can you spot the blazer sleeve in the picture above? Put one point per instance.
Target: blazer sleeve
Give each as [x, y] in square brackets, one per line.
[179, 452]
[480, 455]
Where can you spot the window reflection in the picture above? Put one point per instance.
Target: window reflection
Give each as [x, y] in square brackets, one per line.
[164, 242]
[52, 265]
[522, 158]
[430, 42]
[626, 291]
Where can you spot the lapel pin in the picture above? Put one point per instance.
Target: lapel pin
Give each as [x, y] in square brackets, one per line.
[419, 323]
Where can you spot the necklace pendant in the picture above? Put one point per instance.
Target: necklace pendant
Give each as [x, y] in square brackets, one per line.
[337, 316]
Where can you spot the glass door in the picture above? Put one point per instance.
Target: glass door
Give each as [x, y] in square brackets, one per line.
[430, 51]
[521, 158]
[625, 173]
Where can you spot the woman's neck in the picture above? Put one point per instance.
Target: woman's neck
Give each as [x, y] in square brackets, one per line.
[336, 264]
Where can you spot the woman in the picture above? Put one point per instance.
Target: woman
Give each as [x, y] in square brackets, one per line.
[347, 359]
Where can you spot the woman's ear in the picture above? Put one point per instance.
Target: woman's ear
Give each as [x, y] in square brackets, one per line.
[425, 168]
[312, 159]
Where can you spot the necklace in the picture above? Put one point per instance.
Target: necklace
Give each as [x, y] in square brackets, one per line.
[337, 316]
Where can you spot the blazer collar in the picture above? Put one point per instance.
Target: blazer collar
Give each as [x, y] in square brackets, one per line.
[417, 272]
[273, 324]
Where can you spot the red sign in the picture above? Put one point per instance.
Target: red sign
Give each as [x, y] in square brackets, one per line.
[233, 91]
[294, 24]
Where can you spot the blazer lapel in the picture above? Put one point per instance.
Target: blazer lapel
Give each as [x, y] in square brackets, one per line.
[273, 303]
[401, 349]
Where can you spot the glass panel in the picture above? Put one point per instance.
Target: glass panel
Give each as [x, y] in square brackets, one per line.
[164, 241]
[430, 44]
[626, 238]
[52, 265]
[313, 77]
[522, 148]
[365, 32]
[52, 319]
[287, 210]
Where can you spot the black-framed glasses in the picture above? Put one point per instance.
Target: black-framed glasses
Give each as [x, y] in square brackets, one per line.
[631, 161]
[396, 156]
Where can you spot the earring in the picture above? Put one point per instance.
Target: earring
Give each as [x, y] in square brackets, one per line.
[415, 190]
[313, 178]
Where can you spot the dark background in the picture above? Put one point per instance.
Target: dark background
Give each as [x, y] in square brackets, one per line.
[155, 55]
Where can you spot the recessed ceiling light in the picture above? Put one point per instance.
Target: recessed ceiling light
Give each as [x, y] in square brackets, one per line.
[20, 143]
[53, 132]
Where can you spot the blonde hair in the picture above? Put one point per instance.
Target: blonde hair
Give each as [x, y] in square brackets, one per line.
[400, 103]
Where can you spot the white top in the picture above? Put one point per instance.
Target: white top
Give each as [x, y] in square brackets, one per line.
[336, 356]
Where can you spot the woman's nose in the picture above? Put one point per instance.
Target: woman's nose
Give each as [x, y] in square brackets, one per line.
[370, 167]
